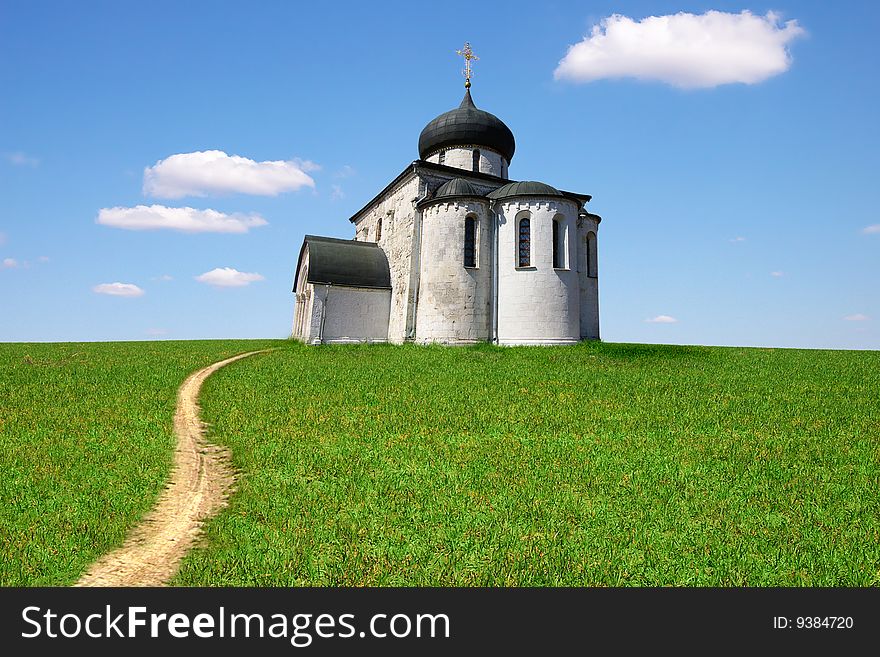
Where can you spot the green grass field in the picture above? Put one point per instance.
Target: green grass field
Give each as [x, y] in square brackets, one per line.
[600, 464]
[85, 447]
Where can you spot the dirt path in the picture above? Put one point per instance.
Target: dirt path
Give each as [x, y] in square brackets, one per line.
[200, 482]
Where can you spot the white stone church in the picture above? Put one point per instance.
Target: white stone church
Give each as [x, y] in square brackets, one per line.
[452, 251]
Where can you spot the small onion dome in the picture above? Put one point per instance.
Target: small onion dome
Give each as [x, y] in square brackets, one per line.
[467, 126]
[456, 187]
[524, 188]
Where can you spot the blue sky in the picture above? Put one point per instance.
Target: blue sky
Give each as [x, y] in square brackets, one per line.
[746, 212]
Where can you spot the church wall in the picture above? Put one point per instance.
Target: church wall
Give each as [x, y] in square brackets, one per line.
[491, 162]
[397, 212]
[317, 297]
[537, 304]
[454, 300]
[302, 314]
[589, 285]
[355, 314]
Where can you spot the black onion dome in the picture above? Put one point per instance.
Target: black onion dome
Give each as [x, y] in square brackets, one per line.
[456, 187]
[467, 125]
[524, 188]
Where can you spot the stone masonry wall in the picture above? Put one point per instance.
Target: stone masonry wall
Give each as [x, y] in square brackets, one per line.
[461, 157]
[589, 285]
[538, 304]
[454, 300]
[397, 211]
[356, 314]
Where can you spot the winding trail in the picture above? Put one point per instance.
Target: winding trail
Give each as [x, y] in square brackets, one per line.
[199, 487]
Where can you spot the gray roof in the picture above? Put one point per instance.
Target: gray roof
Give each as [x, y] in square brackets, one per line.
[524, 188]
[456, 187]
[467, 125]
[420, 167]
[344, 262]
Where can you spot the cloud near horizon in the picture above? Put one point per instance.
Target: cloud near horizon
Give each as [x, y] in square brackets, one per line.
[228, 277]
[119, 290]
[858, 317]
[10, 263]
[207, 173]
[874, 228]
[185, 220]
[683, 50]
[662, 319]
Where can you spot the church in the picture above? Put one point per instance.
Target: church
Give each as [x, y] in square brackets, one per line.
[453, 251]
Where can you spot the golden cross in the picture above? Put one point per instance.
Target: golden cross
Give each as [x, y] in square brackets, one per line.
[468, 55]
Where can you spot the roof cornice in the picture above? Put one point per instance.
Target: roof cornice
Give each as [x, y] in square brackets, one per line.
[416, 166]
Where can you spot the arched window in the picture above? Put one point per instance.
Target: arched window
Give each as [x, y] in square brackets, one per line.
[592, 256]
[470, 242]
[525, 243]
[379, 229]
[476, 162]
[559, 250]
[441, 158]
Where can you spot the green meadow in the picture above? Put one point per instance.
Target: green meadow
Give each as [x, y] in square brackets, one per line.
[86, 446]
[594, 465]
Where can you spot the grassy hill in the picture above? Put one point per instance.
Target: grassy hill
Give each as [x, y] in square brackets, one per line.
[600, 464]
[85, 447]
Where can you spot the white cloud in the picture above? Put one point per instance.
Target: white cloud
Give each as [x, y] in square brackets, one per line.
[186, 220]
[43, 259]
[683, 50]
[214, 172]
[875, 228]
[336, 193]
[118, 289]
[306, 165]
[858, 317]
[662, 319]
[20, 159]
[164, 278]
[737, 240]
[228, 277]
[10, 263]
[345, 172]
[777, 274]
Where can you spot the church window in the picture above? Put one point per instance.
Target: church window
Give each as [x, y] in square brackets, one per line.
[525, 242]
[470, 242]
[559, 242]
[592, 256]
[556, 263]
[476, 164]
[441, 158]
[379, 229]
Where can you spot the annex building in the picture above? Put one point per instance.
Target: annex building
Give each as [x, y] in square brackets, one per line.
[453, 251]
